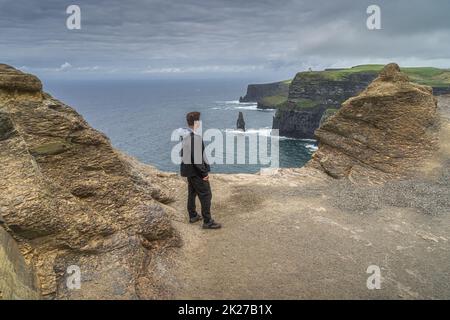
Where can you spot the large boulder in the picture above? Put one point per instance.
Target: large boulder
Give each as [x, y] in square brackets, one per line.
[70, 199]
[383, 132]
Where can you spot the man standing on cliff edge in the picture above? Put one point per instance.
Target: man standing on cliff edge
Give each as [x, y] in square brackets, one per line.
[195, 167]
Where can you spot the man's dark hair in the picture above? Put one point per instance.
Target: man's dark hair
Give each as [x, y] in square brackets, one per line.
[191, 117]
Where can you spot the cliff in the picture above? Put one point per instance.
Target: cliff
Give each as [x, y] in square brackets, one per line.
[267, 95]
[386, 131]
[312, 93]
[69, 198]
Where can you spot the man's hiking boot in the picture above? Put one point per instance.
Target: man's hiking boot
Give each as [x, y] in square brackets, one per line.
[195, 219]
[212, 225]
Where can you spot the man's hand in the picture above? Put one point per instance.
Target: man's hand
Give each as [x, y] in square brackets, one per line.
[206, 178]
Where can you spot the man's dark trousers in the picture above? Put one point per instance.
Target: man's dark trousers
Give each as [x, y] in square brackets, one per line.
[201, 188]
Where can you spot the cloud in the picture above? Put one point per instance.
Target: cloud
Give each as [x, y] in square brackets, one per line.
[274, 38]
[204, 69]
[64, 67]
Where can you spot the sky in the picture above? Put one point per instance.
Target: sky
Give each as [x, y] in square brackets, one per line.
[259, 39]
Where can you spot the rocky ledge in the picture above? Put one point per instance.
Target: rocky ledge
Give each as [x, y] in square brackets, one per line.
[383, 132]
[70, 199]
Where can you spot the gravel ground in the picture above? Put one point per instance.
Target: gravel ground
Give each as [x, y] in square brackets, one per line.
[302, 235]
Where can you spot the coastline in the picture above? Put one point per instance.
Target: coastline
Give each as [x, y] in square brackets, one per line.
[94, 206]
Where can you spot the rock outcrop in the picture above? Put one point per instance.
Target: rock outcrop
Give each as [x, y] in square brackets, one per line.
[69, 198]
[267, 95]
[383, 132]
[326, 115]
[240, 123]
[310, 95]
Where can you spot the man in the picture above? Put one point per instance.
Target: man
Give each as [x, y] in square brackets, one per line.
[195, 167]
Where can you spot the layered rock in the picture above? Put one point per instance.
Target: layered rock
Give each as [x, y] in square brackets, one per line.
[69, 198]
[310, 95]
[17, 279]
[383, 132]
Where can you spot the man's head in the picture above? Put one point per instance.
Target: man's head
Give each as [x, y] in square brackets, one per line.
[193, 120]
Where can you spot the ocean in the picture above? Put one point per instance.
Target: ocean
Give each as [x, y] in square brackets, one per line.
[139, 116]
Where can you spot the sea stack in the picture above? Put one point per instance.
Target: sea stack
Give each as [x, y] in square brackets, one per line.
[384, 132]
[240, 124]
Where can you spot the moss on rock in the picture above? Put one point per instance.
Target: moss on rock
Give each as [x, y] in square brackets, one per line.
[52, 148]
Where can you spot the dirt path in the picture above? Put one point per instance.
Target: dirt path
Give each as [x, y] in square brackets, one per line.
[299, 234]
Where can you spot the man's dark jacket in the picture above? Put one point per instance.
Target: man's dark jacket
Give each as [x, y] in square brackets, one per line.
[196, 164]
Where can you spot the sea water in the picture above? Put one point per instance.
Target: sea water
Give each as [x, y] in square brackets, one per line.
[139, 116]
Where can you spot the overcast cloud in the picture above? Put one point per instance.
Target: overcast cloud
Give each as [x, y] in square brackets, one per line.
[270, 39]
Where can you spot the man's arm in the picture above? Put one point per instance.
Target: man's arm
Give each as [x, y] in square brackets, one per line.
[199, 165]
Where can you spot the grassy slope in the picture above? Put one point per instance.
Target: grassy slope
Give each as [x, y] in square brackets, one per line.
[424, 75]
[273, 100]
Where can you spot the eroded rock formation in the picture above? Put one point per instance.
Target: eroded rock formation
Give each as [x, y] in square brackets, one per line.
[383, 132]
[240, 123]
[69, 198]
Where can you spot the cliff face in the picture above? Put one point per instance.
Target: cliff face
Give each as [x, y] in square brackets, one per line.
[318, 88]
[298, 123]
[383, 132]
[69, 198]
[310, 95]
[267, 95]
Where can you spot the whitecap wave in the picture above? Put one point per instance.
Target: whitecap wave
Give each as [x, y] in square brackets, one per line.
[236, 105]
[248, 107]
[308, 140]
[262, 131]
[236, 102]
[311, 147]
[265, 132]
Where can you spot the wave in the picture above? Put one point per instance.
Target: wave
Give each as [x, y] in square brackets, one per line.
[236, 102]
[262, 131]
[236, 105]
[249, 107]
[308, 140]
[267, 132]
[311, 147]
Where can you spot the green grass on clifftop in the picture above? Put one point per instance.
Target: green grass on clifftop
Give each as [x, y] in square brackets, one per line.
[299, 105]
[272, 101]
[423, 75]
